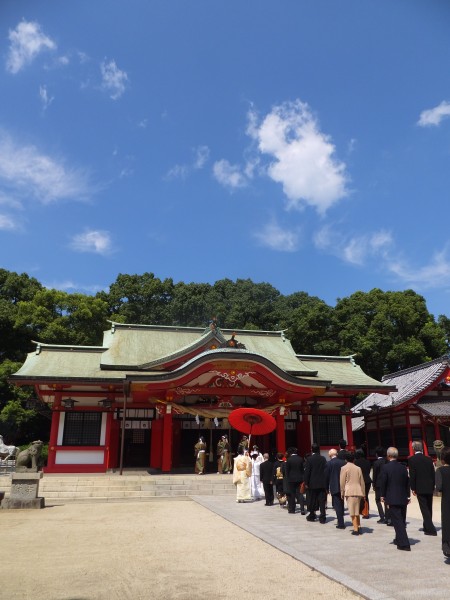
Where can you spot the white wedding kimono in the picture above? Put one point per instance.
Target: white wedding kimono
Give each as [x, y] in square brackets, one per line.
[256, 486]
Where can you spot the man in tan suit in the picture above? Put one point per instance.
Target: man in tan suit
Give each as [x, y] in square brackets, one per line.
[353, 489]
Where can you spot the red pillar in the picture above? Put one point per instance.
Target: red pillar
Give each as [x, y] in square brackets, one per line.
[280, 432]
[108, 437]
[348, 422]
[304, 435]
[167, 443]
[53, 441]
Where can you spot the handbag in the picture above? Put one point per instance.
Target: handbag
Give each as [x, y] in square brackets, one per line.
[302, 487]
[365, 509]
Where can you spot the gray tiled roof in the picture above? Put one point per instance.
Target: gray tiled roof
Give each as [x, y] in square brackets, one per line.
[410, 383]
[435, 407]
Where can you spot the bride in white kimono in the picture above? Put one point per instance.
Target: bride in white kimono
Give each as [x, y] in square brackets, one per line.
[242, 473]
[256, 486]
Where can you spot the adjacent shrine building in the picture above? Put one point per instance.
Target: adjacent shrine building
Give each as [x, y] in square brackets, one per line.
[144, 396]
[419, 410]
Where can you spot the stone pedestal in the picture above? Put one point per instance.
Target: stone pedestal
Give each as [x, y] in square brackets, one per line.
[24, 491]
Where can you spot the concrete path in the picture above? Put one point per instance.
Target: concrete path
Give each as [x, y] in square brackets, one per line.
[370, 564]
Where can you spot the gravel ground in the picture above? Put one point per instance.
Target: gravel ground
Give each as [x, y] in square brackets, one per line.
[156, 550]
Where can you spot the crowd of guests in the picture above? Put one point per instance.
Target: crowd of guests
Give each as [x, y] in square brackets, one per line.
[347, 477]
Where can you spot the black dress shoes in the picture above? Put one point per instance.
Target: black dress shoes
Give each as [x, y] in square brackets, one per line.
[430, 533]
[340, 526]
[381, 521]
[406, 548]
[355, 532]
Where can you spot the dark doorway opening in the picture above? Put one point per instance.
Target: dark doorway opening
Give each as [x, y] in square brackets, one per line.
[136, 452]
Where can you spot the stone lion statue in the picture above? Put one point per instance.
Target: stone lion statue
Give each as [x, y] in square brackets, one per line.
[438, 446]
[30, 458]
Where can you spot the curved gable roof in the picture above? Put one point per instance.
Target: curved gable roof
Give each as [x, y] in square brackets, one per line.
[150, 347]
[410, 383]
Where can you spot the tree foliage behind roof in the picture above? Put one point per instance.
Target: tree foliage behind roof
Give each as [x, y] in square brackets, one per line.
[386, 331]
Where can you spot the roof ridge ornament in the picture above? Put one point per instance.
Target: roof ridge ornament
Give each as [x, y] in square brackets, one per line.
[233, 343]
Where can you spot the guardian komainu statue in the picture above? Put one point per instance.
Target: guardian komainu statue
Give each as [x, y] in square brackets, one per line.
[30, 458]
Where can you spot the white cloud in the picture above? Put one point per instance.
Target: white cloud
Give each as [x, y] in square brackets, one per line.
[45, 98]
[91, 240]
[275, 237]
[73, 286]
[304, 157]
[353, 249]
[7, 200]
[7, 223]
[229, 175]
[113, 79]
[26, 42]
[26, 171]
[434, 116]
[433, 275]
[177, 172]
[201, 157]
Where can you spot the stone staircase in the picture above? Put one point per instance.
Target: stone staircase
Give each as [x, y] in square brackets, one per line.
[136, 487]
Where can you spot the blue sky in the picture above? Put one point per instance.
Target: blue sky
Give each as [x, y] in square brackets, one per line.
[305, 144]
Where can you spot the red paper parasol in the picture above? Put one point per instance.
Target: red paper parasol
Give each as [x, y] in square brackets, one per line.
[252, 421]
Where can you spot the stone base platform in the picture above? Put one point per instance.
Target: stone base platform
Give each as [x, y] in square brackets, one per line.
[24, 491]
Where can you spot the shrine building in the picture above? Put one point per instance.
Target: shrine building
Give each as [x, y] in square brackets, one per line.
[142, 398]
[419, 410]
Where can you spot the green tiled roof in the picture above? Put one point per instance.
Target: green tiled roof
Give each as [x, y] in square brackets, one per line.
[144, 350]
[149, 346]
[343, 372]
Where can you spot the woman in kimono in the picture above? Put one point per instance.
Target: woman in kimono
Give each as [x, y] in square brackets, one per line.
[242, 472]
[443, 485]
[255, 481]
[200, 455]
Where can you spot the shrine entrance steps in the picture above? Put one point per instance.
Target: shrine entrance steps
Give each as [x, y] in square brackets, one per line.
[133, 486]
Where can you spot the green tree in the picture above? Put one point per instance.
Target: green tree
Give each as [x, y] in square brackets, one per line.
[310, 324]
[19, 424]
[141, 299]
[14, 288]
[190, 304]
[388, 331]
[244, 304]
[57, 317]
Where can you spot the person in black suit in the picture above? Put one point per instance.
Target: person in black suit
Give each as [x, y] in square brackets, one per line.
[342, 454]
[376, 481]
[395, 491]
[422, 477]
[316, 482]
[334, 466]
[365, 466]
[278, 473]
[295, 474]
[443, 485]
[266, 477]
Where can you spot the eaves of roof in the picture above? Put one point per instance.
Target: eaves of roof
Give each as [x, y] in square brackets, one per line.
[434, 407]
[410, 383]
